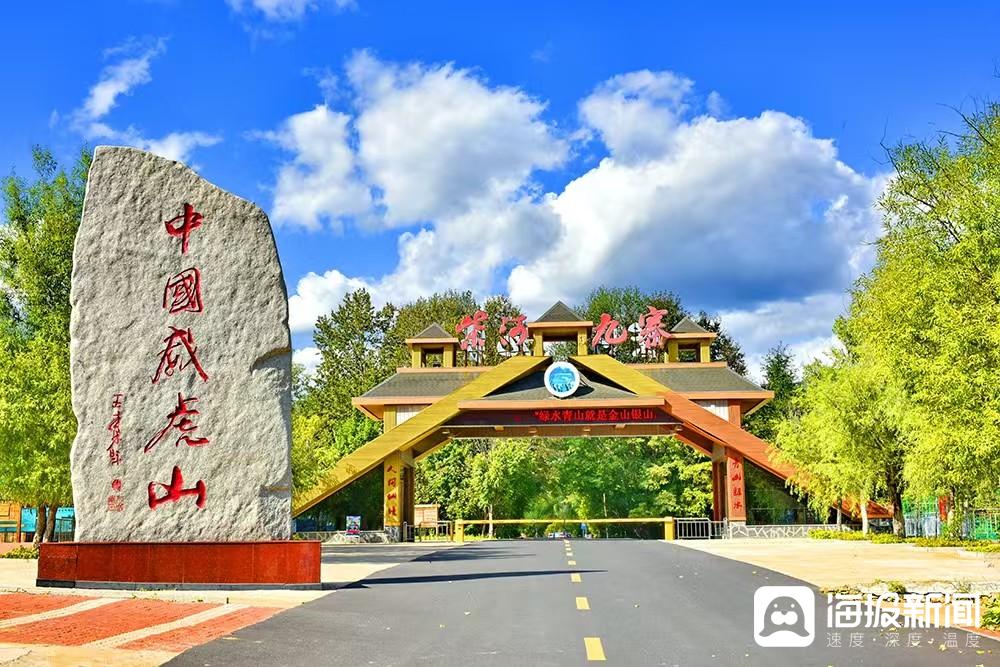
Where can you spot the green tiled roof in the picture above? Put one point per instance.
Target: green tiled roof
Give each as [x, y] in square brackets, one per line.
[559, 312]
[700, 378]
[435, 383]
[695, 377]
[434, 331]
[687, 325]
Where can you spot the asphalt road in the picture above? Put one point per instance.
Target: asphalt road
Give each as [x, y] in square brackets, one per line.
[515, 603]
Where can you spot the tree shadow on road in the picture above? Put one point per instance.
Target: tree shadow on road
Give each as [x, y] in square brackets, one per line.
[471, 553]
[437, 578]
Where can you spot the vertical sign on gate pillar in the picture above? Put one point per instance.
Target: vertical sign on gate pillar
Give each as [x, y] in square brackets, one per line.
[392, 469]
[735, 488]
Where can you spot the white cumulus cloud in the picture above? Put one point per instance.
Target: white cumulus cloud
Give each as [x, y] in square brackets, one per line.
[308, 358]
[321, 180]
[636, 114]
[316, 295]
[735, 211]
[753, 217]
[803, 325]
[437, 140]
[131, 68]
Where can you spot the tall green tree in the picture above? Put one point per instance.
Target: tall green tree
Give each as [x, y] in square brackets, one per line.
[356, 353]
[928, 315]
[445, 309]
[41, 218]
[779, 377]
[505, 477]
[843, 439]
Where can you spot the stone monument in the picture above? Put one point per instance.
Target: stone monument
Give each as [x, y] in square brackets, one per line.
[181, 362]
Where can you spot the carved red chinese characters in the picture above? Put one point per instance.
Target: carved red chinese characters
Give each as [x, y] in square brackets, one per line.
[183, 292]
[169, 359]
[116, 501]
[115, 426]
[183, 225]
[175, 491]
[179, 419]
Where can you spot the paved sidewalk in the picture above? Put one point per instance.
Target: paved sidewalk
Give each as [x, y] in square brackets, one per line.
[50, 626]
[838, 563]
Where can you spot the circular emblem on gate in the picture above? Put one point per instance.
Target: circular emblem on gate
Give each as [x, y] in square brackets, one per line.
[562, 379]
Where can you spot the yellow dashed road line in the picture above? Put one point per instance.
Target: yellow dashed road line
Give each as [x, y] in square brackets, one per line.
[575, 578]
[595, 650]
[571, 562]
[582, 604]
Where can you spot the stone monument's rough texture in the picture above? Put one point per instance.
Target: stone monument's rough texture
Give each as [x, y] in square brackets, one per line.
[181, 360]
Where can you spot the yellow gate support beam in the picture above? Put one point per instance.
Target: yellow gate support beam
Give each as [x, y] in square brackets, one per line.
[422, 425]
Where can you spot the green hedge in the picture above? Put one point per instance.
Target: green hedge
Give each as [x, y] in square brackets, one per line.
[889, 538]
[21, 552]
[820, 534]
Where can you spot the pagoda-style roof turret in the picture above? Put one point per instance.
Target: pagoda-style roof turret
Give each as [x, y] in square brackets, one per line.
[687, 326]
[560, 313]
[689, 341]
[432, 347]
[560, 323]
[434, 334]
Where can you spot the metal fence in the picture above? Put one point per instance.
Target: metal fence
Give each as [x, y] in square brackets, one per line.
[700, 528]
[923, 519]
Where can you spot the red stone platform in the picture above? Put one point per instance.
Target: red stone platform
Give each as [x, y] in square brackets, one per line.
[193, 565]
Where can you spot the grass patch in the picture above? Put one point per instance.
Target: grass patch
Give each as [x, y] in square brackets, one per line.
[21, 552]
[991, 612]
[986, 546]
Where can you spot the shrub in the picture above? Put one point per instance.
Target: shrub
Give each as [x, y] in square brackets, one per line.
[941, 542]
[991, 613]
[21, 552]
[897, 587]
[850, 535]
[886, 538]
[819, 534]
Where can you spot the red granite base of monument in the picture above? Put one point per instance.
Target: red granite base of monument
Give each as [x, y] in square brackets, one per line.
[191, 565]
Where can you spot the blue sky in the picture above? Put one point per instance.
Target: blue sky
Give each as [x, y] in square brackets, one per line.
[537, 149]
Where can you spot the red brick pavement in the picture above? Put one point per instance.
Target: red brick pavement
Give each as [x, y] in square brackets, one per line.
[113, 619]
[15, 605]
[176, 641]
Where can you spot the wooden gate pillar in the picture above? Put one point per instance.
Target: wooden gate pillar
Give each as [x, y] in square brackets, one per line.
[392, 497]
[718, 483]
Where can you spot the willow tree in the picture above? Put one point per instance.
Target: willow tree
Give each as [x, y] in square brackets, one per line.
[842, 437]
